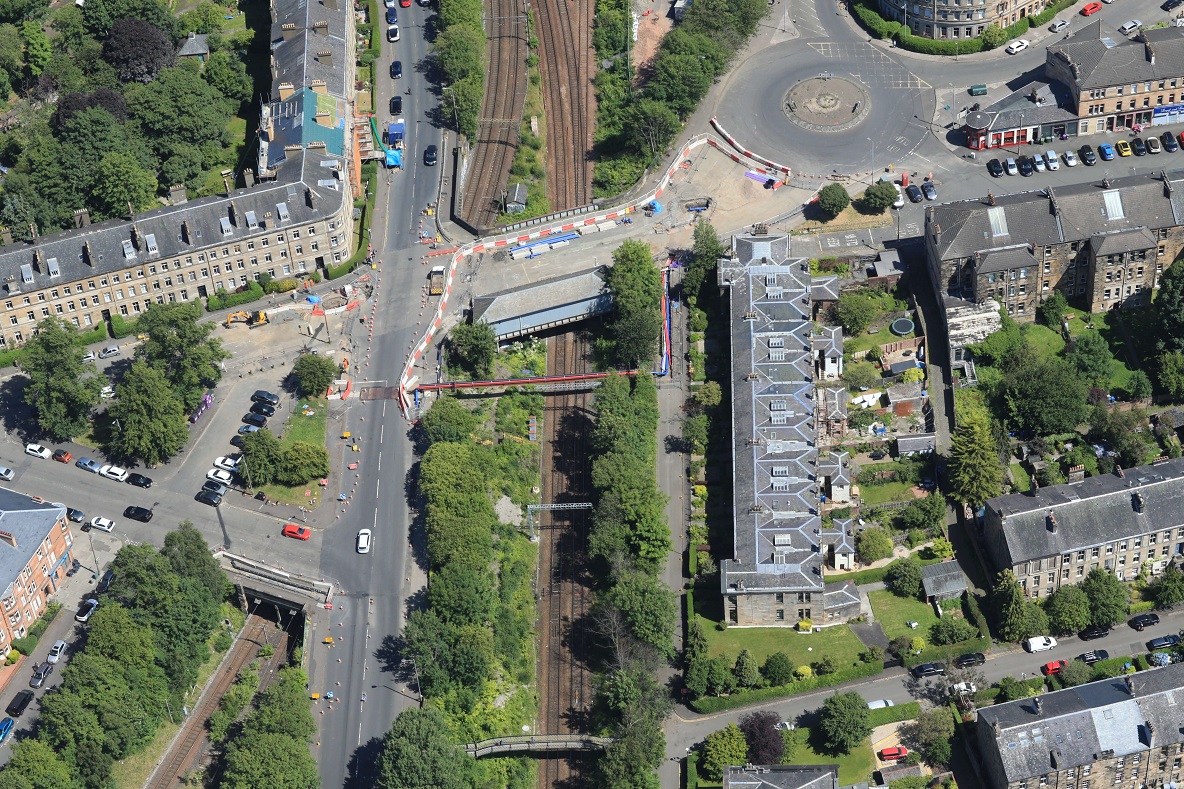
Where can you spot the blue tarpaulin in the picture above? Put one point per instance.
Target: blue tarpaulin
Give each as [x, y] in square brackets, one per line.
[394, 158]
[313, 299]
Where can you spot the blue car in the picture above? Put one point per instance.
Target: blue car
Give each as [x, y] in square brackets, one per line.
[1106, 151]
[5, 728]
[392, 16]
[86, 464]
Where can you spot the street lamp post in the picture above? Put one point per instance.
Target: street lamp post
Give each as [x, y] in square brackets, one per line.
[94, 573]
[873, 142]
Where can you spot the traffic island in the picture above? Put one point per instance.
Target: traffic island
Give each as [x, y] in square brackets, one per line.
[826, 103]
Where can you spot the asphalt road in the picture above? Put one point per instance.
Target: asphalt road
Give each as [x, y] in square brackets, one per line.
[688, 729]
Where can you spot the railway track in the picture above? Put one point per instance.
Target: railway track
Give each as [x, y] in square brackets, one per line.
[501, 112]
[565, 30]
[564, 585]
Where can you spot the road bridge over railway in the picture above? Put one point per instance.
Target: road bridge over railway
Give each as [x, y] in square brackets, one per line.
[543, 743]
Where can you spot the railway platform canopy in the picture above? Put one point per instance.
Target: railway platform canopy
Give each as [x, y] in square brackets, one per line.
[544, 305]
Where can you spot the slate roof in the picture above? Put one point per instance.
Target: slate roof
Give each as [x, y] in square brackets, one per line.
[295, 53]
[888, 263]
[996, 260]
[117, 244]
[1096, 511]
[1017, 109]
[828, 339]
[822, 776]
[834, 401]
[1069, 728]
[836, 466]
[824, 288]
[944, 579]
[840, 595]
[551, 302]
[1097, 61]
[194, 45]
[841, 535]
[304, 119]
[900, 393]
[916, 442]
[29, 523]
[1122, 241]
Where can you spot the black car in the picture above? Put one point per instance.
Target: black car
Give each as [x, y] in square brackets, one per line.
[1168, 5]
[236, 441]
[396, 69]
[78, 516]
[995, 168]
[1163, 642]
[396, 105]
[1093, 656]
[1025, 165]
[1139, 147]
[430, 156]
[263, 409]
[19, 702]
[264, 396]
[878, 455]
[1144, 620]
[929, 190]
[973, 659]
[138, 514]
[1167, 138]
[392, 16]
[258, 420]
[1086, 152]
[41, 672]
[929, 670]
[914, 193]
[105, 581]
[208, 497]
[1092, 632]
[139, 480]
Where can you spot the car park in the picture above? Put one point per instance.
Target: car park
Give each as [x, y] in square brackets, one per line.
[894, 753]
[77, 516]
[1070, 159]
[363, 544]
[258, 420]
[87, 610]
[296, 532]
[113, 472]
[1093, 656]
[101, 523]
[396, 105]
[86, 464]
[392, 34]
[1153, 145]
[1106, 152]
[1017, 46]
[1052, 160]
[1144, 620]
[226, 463]
[1091, 8]
[430, 156]
[396, 69]
[995, 168]
[970, 660]
[263, 409]
[1053, 667]
[928, 670]
[38, 451]
[56, 651]
[1092, 632]
[928, 189]
[1169, 142]
[5, 728]
[1009, 163]
[1040, 644]
[220, 476]
[19, 703]
[1058, 25]
[880, 704]
[1138, 147]
[109, 351]
[209, 497]
[139, 480]
[1025, 165]
[1163, 642]
[1130, 27]
[62, 456]
[141, 514]
[914, 193]
[41, 672]
[1123, 147]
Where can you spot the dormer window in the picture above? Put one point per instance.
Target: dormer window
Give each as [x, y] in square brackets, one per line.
[27, 273]
[129, 251]
[224, 223]
[252, 223]
[150, 243]
[54, 269]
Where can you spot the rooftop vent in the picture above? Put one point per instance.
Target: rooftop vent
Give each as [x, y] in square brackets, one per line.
[1138, 502]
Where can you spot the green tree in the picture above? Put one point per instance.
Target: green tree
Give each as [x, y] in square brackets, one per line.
[1138, 386]
[1108, 597]
[833, 199]
[189, 554]
[720, 679]
[302, 462]
[314, 374]
[941, 548]
[1068, 610]
[778, 669]
[913, 375]
[182, 349]
[36, 766]
[925, 513]
[649, 607]
[861, 375]
[709, 395]
[120, 180]
[903, 578]
[1171, 373]
[448, 420]
[262, 456]
[679, 81]
[1168, 589]
[151, 423]
[1044, 396]
[747, 672]
[113, 633]
[951, 630]
[1009, 602]
[722, 748]
[460, 51]
[877, 198]
[59, 389]
[975, 473]
[1169, 310]
[999, 346]
[694, 432]
[37, 51]
[1052, 310]
[873, 544]
[1076, 673]
[419, 750]
[461, 594]
[461, 104]
[843, 722]
[706, 250]
[1091, 356]
[857, 311]
[993, 36]
[652, 125]
[472, 347]
[267, 759]
[636, 286]
[695, 660]
[228, 75]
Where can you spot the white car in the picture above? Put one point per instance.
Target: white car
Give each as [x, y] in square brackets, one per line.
[219, 475]
[38, 451]
[1038, 163]
[1130, 27]
[1040, 644]
[113, 472]
[899, 195]
[6, 473]
[962, 689]
[1052, 159]
[1017, 46]
[226, 463]
[1059, 25]
[102, 524]
[1070, 159]
[107, 392]
[392, 33]
[88, 607]
[89, 356]
[56, 651]
[364, 541]
[880, 704]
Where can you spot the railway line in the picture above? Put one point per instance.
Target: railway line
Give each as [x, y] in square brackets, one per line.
[565, 35]
[564, 586]
[501, 112]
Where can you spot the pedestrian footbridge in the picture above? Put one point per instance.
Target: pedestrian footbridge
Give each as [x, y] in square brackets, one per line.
[544, 743]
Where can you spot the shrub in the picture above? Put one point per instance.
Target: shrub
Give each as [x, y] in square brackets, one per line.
[801, 672]
[223, 641]
[122, 327]
[833, 198]
[25, 645]
[951, 630]
[222, 300]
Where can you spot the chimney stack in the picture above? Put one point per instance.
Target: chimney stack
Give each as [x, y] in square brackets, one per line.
[1052, 522]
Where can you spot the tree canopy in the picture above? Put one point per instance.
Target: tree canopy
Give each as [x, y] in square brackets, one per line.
[1169, 310]
[182, 349]
[314, 374]
[148, 418]
[472, 347]
[636, 286]
[722, 748]
[420, 750]
[62, 388]
[1044, 396]
[1090, 355]
[975, 473]
[1108, 597]
[843, 722]
[833, 198]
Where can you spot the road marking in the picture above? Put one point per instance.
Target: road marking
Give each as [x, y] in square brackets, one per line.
[381, 430]
[380, 461]
[376, 517]
[377, 485]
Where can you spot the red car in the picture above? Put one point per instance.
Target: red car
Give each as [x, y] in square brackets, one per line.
[62, 456]
[893, 754]
[296, 532]
[405, 3]
[1054, 667]
[1091, 8]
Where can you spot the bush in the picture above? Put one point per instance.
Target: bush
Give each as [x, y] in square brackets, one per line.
[951, 630]
[122, 327]
[97, 334]
[223, 641]
[25, 645]
[833, 199]
[222, 300]
[709, 704]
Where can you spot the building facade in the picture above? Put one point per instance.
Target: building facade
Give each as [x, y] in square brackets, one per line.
[1123, 523]
[957, 19]
[35, 552]
[1119, 733]
[776, 574]
[1102, 244]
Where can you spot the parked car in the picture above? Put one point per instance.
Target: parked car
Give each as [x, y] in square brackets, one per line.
[1091, 8]
[107, 393]
[209, 497]
[113, 472]
[877, 455]
[928, 670]
[962, 689]
[214, 487]
[396, 69]
[38, 451]
[396, 105]
[1025, 165]
[242, 431]
[88, 608]
[895, 753]
[57, 650]
[109, 351]
[928, 189]
[880, 704]
[970, 660]
[86, 464]
[19, 703]
[1052, 159]
[220, 476]
[1070, 159]
[1086, 153]
[1138, 147]
[914, 193]
[1163, 642]
[1129, 27]
[1040, 644]
[101, 523]
[258, 420]
[1152, 144]
[5, 728]
[6, 473]
[392, 16]
[1167, 139]
[263, 409]
[139, 480]
[141, 514]
[264, 396]
[1018, 46]
[1093, 656]
[105, 582]
[995, 168]
[41, 672]
[1144, 620]
[89, 356]
[1106, 152]
[1123, 147]
[392, 33]
[296, 532]
[62, 456]
[77, 516]
[1037, 162]
[226, 463]
[1053, 667]
[364, 541]
[1092, 632]
[1169, 5]
[430, 156]
[1060, 25]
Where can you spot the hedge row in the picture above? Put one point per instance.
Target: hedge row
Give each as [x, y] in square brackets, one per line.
[901, 712]
[975, 614]
[369, 172]
[222, 300]
[1045, 16]
[947, 652]
[869, 16]
[1141, 606]
[709, 704]
[97, 334]
[122, 327]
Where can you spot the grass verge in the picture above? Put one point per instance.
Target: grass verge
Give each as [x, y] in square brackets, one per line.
[310, 429]
[892, 612]
[803, 648]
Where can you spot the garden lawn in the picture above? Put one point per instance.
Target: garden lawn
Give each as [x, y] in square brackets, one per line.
[1023, 482]
[854, 767]
[837, 642]
[310, 429]
[892, 612]
[865, 341]
[1046, 341]
[889, 491]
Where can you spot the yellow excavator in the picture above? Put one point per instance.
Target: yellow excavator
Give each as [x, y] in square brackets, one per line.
[252, 319]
